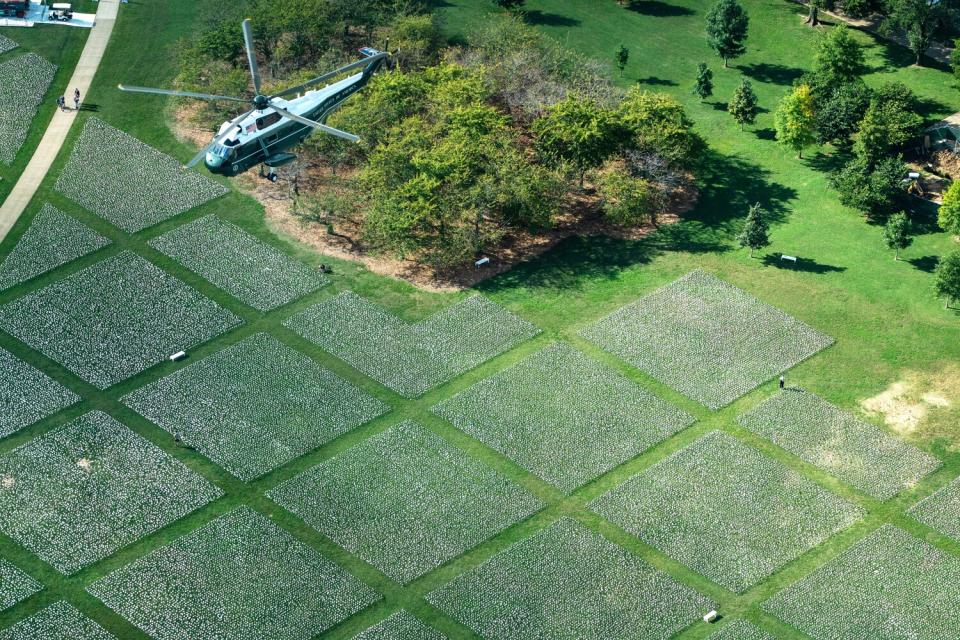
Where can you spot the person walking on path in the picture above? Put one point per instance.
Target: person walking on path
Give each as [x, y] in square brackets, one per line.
[62, 103]
[76, 99]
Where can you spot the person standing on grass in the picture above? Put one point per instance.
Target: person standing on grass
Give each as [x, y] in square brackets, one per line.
[76, 99]
[781, 382]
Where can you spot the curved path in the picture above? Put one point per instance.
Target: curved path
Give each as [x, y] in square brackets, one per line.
[56, 132]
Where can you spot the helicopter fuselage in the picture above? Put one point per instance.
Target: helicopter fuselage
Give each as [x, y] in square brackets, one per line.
[265, 136]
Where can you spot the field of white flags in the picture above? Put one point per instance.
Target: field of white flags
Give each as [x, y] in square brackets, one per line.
[838, 442]
[411, 358]
[59, 621]
[239, 577]
[741, 630]
[405, 500]
[558, 584]
[53, 239]
[6, 44]
[941, 510]
[563, 416]
[706, 338]
[887, 586]
[24, 82]
[114, 319]
[80, 492]
[255, 405]
[15, 585]
[130, 183]
[240, 264]
[400, 626]
[726, 510]
[27, 394]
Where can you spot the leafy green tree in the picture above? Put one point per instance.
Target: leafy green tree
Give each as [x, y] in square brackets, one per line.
[623, 55]
[896, 233]
[949, 215]
[628, 200]
[755, 233]
[839, 57]
[794, 120]
[743, 105]
[837, 118]
[415, 40]
[703, 86]
[727, 24]
[657, 123]
[946, 277]
[890, 121]
[579, 131]
[874, 190]
[919, 19]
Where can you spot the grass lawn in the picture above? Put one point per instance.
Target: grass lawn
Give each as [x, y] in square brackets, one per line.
[881, 313]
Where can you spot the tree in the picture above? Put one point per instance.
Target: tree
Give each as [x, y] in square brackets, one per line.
[955, 59]
[755, 230]
[509, 5]
[874, 190]
[946, 277]
[949, 215]
[743, 105]
[657, 123]
[839, 57]
[579, 131]
[703, 86]
[896, 233]
[623, 55]
[813, 12]
[727, 24]
[793, 120]
[838, 117]
[890, 122]
[919, 19]
[628, 200]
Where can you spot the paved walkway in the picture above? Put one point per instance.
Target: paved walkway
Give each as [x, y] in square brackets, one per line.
[57, 131]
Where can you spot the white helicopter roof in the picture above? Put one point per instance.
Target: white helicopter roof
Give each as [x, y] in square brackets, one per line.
[248, 128]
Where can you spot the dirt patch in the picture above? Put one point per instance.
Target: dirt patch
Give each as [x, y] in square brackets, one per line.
[921, 405]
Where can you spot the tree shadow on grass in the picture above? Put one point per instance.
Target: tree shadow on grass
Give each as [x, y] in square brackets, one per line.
[772, 73]
[827, 163]
[806, 265]
[923, 216]
[766, 134]
[658, 9]
[655, 81]
[925, 263]
[546, 19]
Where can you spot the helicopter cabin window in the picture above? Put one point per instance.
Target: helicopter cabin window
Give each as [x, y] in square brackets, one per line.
[267, 120]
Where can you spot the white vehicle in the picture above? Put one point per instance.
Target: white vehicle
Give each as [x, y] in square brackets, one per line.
[60, 11]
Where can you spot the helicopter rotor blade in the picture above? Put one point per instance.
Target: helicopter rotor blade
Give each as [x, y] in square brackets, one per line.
[316, 125]
[344, 69]
[251, 57]
[182, 94]
[219, 139]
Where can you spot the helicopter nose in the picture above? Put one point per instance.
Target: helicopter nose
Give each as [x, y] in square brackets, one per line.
[213, 161]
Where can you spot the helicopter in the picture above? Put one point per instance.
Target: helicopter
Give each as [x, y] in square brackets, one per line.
[265, 134]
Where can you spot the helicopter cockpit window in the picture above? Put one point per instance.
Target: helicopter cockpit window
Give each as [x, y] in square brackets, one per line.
[267, 120]
[222, 151]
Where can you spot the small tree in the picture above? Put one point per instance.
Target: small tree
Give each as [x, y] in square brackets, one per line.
[876, 190]
[703, 86]
[839, 56]
[755, 231]
[794, 120]
[896, 233]
[623, 55]
[727, 24]
[949, 215]
[947, 278]
[743, 105]
[579, 131]
[628, 201]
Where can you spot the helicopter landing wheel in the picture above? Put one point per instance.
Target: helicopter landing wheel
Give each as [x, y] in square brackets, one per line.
[272, 176]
